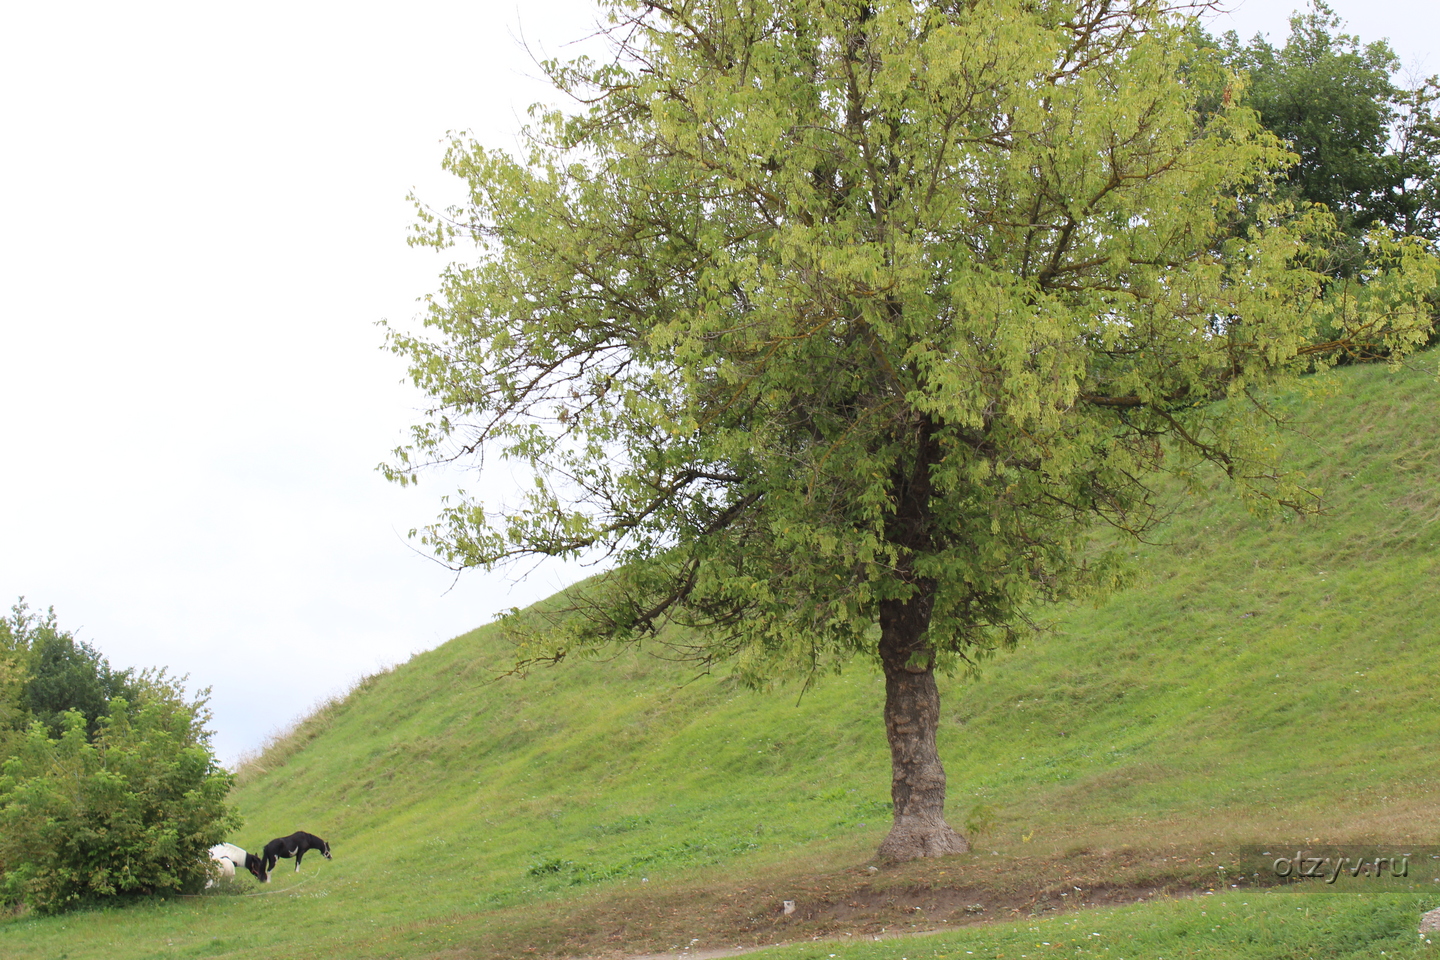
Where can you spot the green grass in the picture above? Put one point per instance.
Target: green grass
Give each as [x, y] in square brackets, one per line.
[1264, 681]
[1236, 926]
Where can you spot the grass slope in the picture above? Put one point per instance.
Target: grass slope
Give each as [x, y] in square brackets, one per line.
[1266, 682]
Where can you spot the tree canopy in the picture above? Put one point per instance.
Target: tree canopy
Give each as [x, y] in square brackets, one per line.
[45, 672]
[837, 324]
[1368, 148]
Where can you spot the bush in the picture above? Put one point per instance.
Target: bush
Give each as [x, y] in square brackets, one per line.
[134, 811]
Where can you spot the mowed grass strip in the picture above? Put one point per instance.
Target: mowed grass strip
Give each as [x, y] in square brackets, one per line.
[1235, 926]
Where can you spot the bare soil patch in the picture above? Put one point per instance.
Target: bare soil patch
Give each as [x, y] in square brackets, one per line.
[864, 901]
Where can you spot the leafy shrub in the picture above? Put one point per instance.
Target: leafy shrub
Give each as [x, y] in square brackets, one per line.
[132, 811]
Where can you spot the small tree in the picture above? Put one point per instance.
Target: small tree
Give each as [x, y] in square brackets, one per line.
[68, 674]
[47, 672]
[839, 322]
[133, 811]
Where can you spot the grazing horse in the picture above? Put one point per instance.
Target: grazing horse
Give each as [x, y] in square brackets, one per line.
[295, 846]
[228, 857]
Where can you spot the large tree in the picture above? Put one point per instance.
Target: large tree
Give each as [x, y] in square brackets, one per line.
[838, 323]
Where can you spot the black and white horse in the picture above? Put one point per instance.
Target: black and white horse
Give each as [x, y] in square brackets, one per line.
[229, 858]
[295, 846]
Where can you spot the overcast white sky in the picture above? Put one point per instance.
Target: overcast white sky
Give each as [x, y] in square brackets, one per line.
[202, 215]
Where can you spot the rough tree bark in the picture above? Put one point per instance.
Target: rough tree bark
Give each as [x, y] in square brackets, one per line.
[912, 717]
[912, 699]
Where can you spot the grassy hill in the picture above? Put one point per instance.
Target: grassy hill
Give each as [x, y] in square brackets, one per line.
[1265, 682]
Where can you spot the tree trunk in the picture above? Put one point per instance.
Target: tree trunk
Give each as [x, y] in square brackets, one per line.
[912, 700]
[912, 716]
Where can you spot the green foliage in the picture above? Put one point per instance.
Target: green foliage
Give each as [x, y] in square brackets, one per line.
[1368, 148]
[827, 306]
[67, 674]
[134, 810]
[1417, 161]
[17, 633]
[13, 715]
[1332, 99]
[45, 672]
